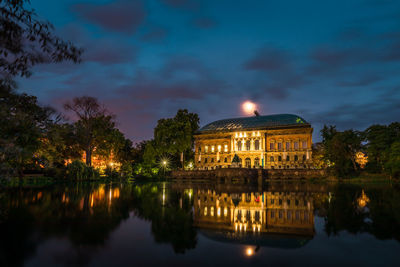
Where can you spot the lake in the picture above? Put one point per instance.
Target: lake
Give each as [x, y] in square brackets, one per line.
[200, 224]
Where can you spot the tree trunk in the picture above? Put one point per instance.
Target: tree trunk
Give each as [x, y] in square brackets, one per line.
[88, 157]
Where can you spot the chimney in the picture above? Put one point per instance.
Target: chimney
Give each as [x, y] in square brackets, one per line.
[256, 113]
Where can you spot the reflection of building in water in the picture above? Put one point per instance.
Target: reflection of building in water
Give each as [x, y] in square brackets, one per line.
[267, 212]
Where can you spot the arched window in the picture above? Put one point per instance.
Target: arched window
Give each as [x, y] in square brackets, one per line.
[240, 161]
[279, 158]
[304, 157]
[205, 160]
[248, 163]
[257, 162]
[239, 146]
[257, 145]
[226, 160]
[287, 158]
[248, 145]
[272, 159]
[212, 160]
[296, 158]
[205, 211]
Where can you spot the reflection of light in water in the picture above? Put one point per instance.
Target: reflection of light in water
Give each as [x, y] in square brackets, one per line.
[249, 252]
[163, 196]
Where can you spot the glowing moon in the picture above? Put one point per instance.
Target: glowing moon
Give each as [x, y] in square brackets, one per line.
[248, 107]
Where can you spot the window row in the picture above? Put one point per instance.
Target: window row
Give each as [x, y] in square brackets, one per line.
[213, 149]
[247, 145]
[289, 215]
[280, 201]
[238, 135]
[279, 158]
[279, 146]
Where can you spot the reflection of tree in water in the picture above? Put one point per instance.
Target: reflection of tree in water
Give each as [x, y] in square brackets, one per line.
[379, 217]
[170, 223]
[86, 214]
[34, 215]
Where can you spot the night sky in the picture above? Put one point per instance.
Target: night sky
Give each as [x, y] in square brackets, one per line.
[331, 62]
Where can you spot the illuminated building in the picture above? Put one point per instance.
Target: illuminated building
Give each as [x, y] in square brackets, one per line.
[361, 159]
[280, 141]
[254, 213]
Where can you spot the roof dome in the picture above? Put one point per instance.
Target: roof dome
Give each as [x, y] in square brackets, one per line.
[255, 122]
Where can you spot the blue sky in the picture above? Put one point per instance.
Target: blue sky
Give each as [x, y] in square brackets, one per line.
[331, 62]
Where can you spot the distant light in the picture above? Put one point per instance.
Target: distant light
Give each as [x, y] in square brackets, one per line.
[164, 162]
[249, 107]
[249, 252]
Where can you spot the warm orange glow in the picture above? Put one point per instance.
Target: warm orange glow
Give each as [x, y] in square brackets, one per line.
[249, 252]
[248, 107]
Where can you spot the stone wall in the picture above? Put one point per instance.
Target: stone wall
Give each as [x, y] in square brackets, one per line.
[270, 174]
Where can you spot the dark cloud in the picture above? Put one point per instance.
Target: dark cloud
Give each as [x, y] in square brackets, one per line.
[121, 16]
[205, 22]
[154, 34]
[183, 4]
[276, 72]
[110, 52]
[269, 59]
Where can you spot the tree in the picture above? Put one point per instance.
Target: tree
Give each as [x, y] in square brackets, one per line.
[22, 124]
[174, 136]
[95, 128]
[26, 41]
[379, 139]
[340, 150]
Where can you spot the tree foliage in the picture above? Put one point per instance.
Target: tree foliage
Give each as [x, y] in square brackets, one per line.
[25, 41]
[173, 137]
[340, 150]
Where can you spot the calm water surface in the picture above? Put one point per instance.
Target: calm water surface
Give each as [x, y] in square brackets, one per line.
[92, 224]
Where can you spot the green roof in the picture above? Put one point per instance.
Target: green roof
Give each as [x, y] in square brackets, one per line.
[255, 122]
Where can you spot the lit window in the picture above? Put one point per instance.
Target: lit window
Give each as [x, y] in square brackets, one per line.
[236, 135]
[240, 135]
[219, 148]
[212, 149]
[258, 133]
[205, 211]
[245, 135]
[254, 133]
[239, 145]
[272, 146]
[225, 148]
[304, 144]
[296, 145]
[257, 144]
[225, 212]
[212, 211]
[206, 149]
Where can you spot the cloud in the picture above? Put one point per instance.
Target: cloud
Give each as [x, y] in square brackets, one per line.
[276, 72]
[183, 4]
[110, 52]
[205, 22]
[120, 16]
[154, 34]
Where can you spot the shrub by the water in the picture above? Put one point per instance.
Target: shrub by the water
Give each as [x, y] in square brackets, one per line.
[80, 171]
[126, 170]
[111, 173]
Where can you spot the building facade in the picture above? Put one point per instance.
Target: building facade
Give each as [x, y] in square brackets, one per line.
[282, 141]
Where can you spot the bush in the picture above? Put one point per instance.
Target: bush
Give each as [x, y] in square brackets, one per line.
[111, 173]
[126, 170]
[78, 170]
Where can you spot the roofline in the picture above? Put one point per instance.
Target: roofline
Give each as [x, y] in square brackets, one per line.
[289, 126]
